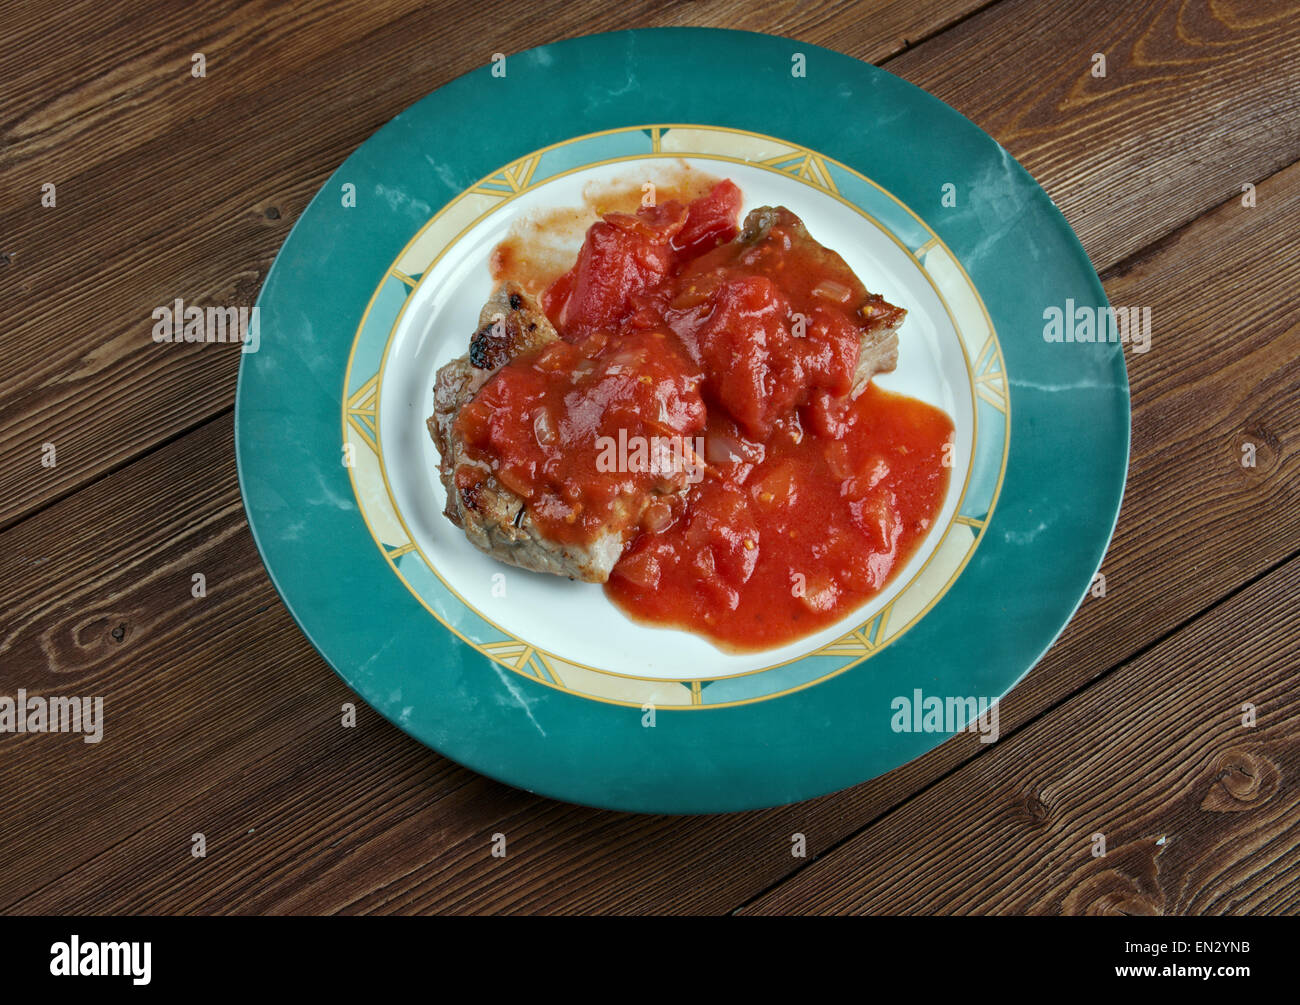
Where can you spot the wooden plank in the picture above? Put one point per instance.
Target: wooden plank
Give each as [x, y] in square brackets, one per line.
[124, 147]
[367, 820]
[1197, 804]
[1196, 100]
[172, 186]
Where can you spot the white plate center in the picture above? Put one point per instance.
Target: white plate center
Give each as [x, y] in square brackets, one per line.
[575, 621]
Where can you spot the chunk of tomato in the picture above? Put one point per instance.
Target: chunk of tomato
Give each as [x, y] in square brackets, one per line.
[623, 255]
[710, 220]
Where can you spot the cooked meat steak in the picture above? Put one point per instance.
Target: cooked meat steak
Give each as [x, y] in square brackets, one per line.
[495, 519]
[768, 327]
[880, 319]
[509, 323]
[776, 322]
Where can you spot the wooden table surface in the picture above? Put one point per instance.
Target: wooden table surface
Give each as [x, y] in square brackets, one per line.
[222, 719]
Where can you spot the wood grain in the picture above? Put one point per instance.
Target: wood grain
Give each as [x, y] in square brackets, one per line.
[222, 719]
[1198, 811]
[142, 156]
[1198, 97]
[170, 186]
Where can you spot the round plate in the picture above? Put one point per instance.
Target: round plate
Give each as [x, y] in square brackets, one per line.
[543, 683]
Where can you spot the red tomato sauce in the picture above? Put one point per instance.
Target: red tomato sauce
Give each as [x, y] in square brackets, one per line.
[676, 322]
[769, 552]
[544, 421]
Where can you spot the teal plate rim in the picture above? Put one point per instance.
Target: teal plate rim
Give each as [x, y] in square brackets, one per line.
[1064, 479]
